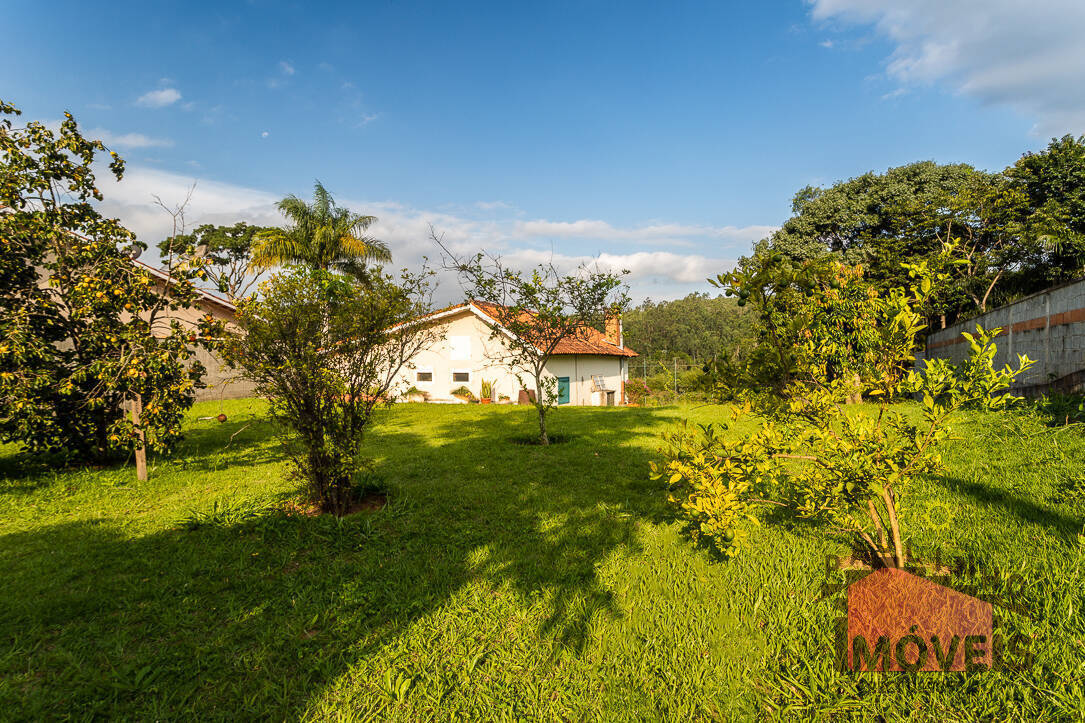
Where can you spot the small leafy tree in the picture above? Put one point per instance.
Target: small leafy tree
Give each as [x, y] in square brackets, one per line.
[225, 253]
[536, 312]
[325, 351]
[84, 330]
[808, 452]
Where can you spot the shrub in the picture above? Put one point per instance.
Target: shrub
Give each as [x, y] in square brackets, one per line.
[325, 351]
[463, 392]
[811, 455]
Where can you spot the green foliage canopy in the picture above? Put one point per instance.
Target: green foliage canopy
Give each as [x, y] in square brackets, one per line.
[808, 452]
[225, 252]
[83, 329]
[322, 235]
[697, 327]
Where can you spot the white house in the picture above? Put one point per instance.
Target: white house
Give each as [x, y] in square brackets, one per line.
[591, 368]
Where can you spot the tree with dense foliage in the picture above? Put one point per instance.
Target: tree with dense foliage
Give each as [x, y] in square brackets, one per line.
[695, 328]
[809, 453]
[1052, 183]
[820, 304]
[225, 253]
[538, 311]
[322, 235]
[84, 330]
[908, 215]
[324, 350]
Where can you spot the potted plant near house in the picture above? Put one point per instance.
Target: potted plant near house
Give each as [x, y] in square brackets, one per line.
[463, 393]
[486, 392]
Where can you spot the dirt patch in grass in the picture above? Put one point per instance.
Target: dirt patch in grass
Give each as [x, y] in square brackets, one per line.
[368, 502]
[371, 501]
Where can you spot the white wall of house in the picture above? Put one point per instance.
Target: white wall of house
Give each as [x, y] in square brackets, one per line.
[465, 353]
[462, 356]
[579, 368]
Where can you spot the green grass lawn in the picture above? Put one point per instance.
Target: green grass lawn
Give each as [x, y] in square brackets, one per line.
[502, 581]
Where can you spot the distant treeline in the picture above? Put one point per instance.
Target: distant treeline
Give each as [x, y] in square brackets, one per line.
[693, 330]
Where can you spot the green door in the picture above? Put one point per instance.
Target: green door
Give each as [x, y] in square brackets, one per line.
[563, 390]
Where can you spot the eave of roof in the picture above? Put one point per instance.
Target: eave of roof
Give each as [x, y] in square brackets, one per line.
[167, 279]
[592, 342]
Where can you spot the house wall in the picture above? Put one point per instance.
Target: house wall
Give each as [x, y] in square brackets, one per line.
[486, 361]
[481, 363]
[1048, 327]
[580, 368]
[222, 382]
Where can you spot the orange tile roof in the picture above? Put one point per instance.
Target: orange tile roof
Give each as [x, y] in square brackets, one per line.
[587, 341]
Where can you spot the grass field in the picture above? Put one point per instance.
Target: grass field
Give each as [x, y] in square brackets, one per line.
[501, 582]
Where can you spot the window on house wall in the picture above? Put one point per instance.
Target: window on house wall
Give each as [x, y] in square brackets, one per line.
[423, 375]
[459, 347]
[461, 376]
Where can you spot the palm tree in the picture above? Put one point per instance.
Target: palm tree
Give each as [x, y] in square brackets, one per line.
[322, 235]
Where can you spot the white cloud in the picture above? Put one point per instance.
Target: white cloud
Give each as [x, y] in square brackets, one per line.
[661, 273]
[1024, 55]
[121, 141]
[265, 134]
[286, 68]
[641, 265]
[492, 205]
[587, 228]
[159, 98]
[826, 43]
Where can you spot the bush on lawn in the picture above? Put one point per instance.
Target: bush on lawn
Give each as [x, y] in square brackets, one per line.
[325, 350]
[809, 454]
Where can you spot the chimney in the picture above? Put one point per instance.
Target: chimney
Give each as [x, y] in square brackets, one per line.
[612, 325]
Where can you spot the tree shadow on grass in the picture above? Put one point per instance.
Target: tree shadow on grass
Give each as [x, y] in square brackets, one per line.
[1025, 509]
[253, 618]
[245, 441]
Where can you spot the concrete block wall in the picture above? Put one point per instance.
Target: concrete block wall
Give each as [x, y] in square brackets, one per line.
[1048, 327]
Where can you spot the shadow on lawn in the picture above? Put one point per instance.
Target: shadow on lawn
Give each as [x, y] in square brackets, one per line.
[1023, 508]
[245, 441]
[256, 618]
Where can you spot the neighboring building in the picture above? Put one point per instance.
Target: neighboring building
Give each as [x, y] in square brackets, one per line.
[222, 382]
[1048, 327]
[591, 369]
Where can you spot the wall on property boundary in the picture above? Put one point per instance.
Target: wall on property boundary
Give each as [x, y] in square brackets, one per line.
[1048, 327]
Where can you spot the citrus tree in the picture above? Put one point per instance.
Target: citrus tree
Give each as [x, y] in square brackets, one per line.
[809, 451]
[83, 329]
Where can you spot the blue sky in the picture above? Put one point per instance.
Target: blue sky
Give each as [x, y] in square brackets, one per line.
[660, 137]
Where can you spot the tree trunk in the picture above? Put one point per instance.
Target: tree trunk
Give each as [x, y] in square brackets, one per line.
[894, 528]
[543, 438]
[141, 449]
[540, 405]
